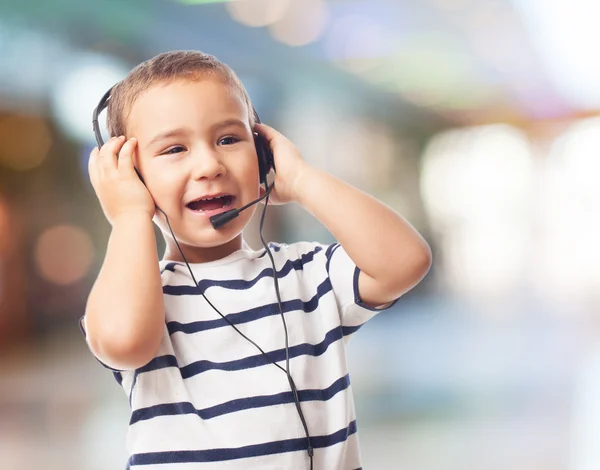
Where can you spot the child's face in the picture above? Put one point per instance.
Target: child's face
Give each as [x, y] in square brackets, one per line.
[194, 142]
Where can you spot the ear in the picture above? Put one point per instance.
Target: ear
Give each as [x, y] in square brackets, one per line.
[262, 190]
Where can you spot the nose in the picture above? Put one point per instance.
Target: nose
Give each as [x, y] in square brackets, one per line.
[207, 165]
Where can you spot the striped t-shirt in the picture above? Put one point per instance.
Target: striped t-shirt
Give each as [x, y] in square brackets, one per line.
[211, 400]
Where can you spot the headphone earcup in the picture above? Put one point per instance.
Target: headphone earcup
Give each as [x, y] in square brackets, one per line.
[265, 157]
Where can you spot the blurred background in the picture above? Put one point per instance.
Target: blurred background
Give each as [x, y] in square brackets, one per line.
[476, 119]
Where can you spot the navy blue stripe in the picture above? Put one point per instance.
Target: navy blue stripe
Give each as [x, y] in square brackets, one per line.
[160, 362]
[118, 377]
[241, 284]
[273, 247]
[170, 409]
[195, 368]
[348, 330]
[171, 267]
[357, 299]
[133, 382]
[304, 349]
[256, 450]
[252, 314]
[355, 280]
[329, 253]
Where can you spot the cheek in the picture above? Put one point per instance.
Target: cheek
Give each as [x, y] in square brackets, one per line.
[164, 184]
[252, 169]
[251, 181]
[246, 173]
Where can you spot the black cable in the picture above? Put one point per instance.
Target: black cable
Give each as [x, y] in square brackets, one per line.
[98, 134]
[309, 449]
[209, 302]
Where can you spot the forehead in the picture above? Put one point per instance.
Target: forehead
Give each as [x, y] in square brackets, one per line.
[184, 103]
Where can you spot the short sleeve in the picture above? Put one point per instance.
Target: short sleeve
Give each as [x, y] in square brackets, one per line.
[343, 274]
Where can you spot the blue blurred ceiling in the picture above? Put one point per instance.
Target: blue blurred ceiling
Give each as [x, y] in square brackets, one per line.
[464, 61]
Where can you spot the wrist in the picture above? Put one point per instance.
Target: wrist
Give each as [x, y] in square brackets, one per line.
[132, 216]
[300, 185]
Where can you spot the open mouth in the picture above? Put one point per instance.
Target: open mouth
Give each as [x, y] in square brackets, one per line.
[210, 203]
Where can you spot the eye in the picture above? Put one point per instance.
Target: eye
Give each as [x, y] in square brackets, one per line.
[229, 140]
[172, 150]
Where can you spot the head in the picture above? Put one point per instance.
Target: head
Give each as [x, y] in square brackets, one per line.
[194, 124]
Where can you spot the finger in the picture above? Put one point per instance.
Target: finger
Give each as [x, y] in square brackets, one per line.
[273, 137]
[125, 163]
[107, 157]
[93, 158]
[92, 162]
[267, 131]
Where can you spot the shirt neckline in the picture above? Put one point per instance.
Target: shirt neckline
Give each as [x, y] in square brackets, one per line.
[244, 252]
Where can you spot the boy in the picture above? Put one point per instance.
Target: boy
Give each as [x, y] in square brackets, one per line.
[202, 396]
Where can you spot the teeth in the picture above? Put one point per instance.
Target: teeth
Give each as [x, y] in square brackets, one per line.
[225, 200]
[212, 198]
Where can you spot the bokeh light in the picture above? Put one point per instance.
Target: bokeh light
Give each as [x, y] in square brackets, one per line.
[569, 211]
[354, 41]
[79, 90]
[303, 23]
[25, 141]
[565, 36]
[475, 173]
[574, 157]
[475, 185]
[256, 13]
[64, 254]
[345, 40]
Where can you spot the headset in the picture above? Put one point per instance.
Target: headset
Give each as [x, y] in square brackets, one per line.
[266, 163]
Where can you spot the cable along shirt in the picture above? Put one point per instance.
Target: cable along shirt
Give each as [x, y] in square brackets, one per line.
[211, 400]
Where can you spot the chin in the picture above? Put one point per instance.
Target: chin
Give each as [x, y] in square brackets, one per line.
[198, 231]
[210, 238]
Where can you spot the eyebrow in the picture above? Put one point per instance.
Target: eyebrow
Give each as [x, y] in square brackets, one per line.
[228, 122]
[184, 131]
[166, 135]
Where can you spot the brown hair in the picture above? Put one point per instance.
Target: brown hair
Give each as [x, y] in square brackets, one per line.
[164, 68]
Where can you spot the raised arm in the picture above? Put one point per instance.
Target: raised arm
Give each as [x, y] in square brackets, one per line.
[391, 254]
[124, 317]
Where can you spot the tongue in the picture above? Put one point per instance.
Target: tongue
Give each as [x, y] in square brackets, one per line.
[207, 205]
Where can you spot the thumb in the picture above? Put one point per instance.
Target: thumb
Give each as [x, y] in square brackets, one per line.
[125, 160]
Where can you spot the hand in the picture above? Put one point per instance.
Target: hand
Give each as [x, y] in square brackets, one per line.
[289, 165]
[117, 185]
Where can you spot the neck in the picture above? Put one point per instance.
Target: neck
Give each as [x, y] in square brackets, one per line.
[197, 254]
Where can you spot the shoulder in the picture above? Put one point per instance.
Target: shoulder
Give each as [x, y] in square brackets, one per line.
[313, 257]
[302, 251]
[171, 272]
[300, 248]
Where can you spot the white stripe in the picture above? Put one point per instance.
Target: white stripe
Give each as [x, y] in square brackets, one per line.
[244, 428]
[219, 386]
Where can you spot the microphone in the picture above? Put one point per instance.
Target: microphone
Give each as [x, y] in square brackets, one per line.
[223, 218]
